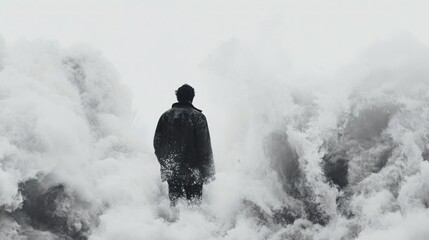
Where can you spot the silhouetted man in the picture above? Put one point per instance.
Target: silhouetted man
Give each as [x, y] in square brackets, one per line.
[183, 148]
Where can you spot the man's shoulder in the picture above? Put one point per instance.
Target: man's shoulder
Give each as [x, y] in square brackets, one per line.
[173, 111]
[197, 113]
[191, 110]
[166, 113]
[200, 117]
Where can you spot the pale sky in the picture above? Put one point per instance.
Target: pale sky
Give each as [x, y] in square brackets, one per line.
[158, 45]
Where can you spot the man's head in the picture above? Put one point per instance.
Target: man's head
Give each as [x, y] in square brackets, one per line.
[185, 94]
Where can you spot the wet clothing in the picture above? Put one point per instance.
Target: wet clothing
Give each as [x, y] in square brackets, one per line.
[177, 189]
[182, 146]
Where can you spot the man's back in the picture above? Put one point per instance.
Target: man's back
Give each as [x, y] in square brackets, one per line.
[182, 144]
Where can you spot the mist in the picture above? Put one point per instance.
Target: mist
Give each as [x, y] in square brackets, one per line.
[319, 131]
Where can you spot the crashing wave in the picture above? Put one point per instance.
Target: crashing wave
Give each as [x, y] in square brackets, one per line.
[340, 159]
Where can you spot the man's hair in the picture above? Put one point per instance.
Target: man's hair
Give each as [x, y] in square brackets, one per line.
[185, 93]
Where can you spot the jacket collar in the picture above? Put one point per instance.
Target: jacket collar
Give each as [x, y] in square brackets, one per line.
[184, 105]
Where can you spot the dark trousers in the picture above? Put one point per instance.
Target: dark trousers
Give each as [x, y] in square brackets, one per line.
[178, 189]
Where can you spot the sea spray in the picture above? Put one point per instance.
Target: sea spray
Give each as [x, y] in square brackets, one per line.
[298, 157]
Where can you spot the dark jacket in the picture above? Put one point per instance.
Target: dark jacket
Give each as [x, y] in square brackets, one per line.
[182, 145]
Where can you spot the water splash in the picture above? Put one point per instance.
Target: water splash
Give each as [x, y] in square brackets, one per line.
[340, 157]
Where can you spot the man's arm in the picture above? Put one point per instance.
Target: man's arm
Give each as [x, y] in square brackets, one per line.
[157, 139]
[204, 149]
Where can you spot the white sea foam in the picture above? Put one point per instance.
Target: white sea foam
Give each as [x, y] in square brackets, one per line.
[66, 119]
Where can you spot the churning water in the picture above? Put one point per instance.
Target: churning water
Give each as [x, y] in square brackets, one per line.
[343, 157]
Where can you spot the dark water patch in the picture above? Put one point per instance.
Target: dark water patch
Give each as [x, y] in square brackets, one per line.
[282, 216]
[336, 170]
[55, 210]
[284, 160]
[425, 155]
[369, 122]
[382, 159]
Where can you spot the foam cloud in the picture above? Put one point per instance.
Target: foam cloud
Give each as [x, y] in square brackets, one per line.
[335, 157]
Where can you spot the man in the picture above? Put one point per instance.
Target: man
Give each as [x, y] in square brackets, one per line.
[183, 148]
